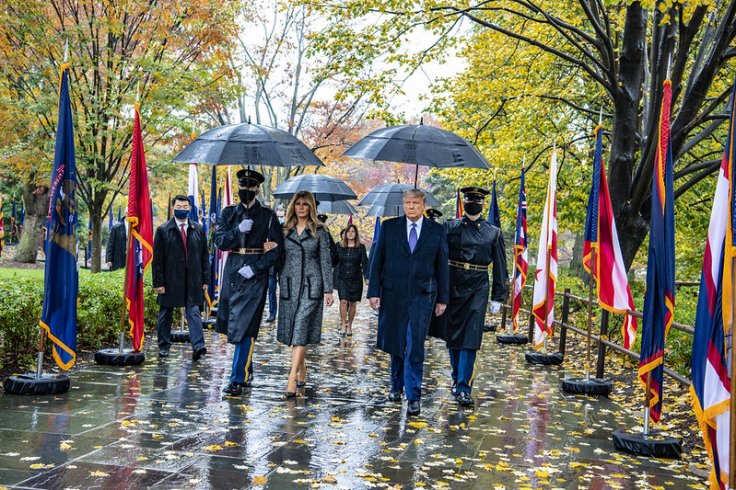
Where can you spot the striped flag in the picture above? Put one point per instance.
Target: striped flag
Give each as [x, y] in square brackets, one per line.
[212, 217]
[494, 215]
[521, 263]
[61, 274]
[227, 200]
[659, 300]
[601, 237]
[139, 216]
[109, 219]
[711, 387]
[350, 220]
[193, 192]
[546, 274]
[458, 205]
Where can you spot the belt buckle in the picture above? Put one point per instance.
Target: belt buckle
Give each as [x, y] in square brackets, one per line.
[466, 266]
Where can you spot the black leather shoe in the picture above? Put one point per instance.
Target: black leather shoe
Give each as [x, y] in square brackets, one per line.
[464, 399]
[413, 408]
[247, 384]
[163, 353]
[394, 396]
[453, 390]
[198, 354]
[233, 389]
[271, 319]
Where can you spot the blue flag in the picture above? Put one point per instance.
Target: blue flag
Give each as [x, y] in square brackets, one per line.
[494, 216]
[212, 217]
[61, 277]
[109, 219]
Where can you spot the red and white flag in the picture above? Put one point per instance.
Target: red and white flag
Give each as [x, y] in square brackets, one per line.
[545, 276]
[227, 200]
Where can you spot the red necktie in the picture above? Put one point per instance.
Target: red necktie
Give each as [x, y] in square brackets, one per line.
[184, 239]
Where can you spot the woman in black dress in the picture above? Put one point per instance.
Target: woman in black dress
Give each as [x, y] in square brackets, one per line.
[352, 270]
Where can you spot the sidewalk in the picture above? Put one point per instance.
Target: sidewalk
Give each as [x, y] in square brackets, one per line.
[165, 424]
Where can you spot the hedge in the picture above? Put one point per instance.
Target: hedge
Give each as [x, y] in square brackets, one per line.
[98, 313]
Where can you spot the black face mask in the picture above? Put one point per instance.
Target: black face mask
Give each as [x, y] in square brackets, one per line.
[473, 208]
[246, 195]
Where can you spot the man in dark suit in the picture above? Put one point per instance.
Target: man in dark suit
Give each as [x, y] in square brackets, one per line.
[409, 280]
[181, 270]
[117, 245]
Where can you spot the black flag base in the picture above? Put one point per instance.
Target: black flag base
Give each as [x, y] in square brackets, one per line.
[488, 327]
[180, 336]
[206, 323]
[590, 386]
[116, 357]
[656, 444]
[213, 311]
[512, 338]
[544, 359]
[29, 384]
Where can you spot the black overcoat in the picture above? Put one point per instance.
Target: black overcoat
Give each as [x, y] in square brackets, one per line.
[479, 243]
[241, 301]
[408, 284]
[117, 244]
[182, 283]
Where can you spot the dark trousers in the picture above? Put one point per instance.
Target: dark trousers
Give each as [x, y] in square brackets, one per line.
[194, 321]
[406, 374]
[243, 361]
[272, 295]
[463, 368]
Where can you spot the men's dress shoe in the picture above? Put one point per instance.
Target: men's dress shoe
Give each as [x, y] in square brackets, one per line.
[163, 353]
[413, 407]
[248, 383]
[198, 354]
[271, 319]
[394, 396]
[233, 389]
[453, 390]
[464, 399]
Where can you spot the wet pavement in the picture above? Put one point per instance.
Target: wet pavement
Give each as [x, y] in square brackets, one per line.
[165, 424]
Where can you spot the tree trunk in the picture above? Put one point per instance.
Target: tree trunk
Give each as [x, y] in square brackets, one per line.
[96, 262]
[36, 201]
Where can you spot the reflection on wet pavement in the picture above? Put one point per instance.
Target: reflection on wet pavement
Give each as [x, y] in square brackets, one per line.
[165, 424]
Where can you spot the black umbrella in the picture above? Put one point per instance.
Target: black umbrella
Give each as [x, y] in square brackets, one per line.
[420, 145]
[324, 188]
[336, 207]
[248, 144]
[388, 200]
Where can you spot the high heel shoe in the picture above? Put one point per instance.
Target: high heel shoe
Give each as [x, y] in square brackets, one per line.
[290, 394]
[301, 384]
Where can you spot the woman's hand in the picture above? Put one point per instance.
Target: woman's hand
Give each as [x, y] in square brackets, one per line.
[328, 299]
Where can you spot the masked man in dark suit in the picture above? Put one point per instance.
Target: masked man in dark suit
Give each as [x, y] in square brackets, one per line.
[181, 270]
[253, 236]
[408, 282]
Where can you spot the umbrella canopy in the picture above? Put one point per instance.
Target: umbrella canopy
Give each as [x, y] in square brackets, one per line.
[387, 200]
[324, 188]
[248, 144]
[420, 145]
[336, 207]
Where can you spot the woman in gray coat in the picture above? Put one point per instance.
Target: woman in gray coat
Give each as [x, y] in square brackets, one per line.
[305, 281]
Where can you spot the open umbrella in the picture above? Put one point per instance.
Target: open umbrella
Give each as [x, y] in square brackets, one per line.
[248, 144]
[419, 145]
[336, 207]
[324, 188]
[388, 200]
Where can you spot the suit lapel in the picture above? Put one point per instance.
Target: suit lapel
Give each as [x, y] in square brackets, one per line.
[403, 238]
[423, 235]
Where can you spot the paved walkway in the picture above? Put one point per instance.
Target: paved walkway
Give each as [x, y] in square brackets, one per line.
[165, 424]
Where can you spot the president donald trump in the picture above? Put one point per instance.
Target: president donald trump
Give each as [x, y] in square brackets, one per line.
[409, 279]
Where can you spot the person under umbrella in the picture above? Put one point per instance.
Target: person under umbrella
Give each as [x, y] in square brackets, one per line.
[351, 272]
[252, 235]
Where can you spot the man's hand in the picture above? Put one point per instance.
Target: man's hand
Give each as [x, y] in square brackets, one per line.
[109, 265]
[329, 299]
[246, 272]
[375, 303]
[245, 225]
[269, 245]
[439, 309]
[161, 290]
[495, 307]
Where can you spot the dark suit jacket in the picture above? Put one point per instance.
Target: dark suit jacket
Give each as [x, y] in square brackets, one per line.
[408, 283]
[117, 244]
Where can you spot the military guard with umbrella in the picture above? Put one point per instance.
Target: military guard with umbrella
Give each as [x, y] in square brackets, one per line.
[474, 244]
[253, 236]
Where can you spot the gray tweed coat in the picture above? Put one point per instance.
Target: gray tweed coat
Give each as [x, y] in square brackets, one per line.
[305, 278]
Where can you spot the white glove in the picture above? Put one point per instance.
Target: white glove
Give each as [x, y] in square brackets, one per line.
[245, 225]
[495, 307]
[246, 272]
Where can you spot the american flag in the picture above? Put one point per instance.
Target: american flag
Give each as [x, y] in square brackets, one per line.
[521, 263]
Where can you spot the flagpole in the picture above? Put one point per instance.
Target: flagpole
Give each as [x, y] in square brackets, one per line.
[647, 398]
[591, 285]
[125, 288]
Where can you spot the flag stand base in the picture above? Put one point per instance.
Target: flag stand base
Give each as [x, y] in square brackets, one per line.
[488, 327]
[206, 323]
[512, 338]
[589, 386]
[656, 444]
[29, 384]
[118, 357]
[180, 336]
[544, 359]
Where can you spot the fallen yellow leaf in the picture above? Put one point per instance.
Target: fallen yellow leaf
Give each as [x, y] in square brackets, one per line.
[213, 448]
[64, 446]
[259, 481]
[98, 473]
[417, 425]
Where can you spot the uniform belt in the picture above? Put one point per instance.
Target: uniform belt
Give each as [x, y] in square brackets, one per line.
[247, 251]
[468, 267]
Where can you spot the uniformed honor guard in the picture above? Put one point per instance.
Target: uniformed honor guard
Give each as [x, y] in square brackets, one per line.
[433, 214]
[474, 244]
[252, 234]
